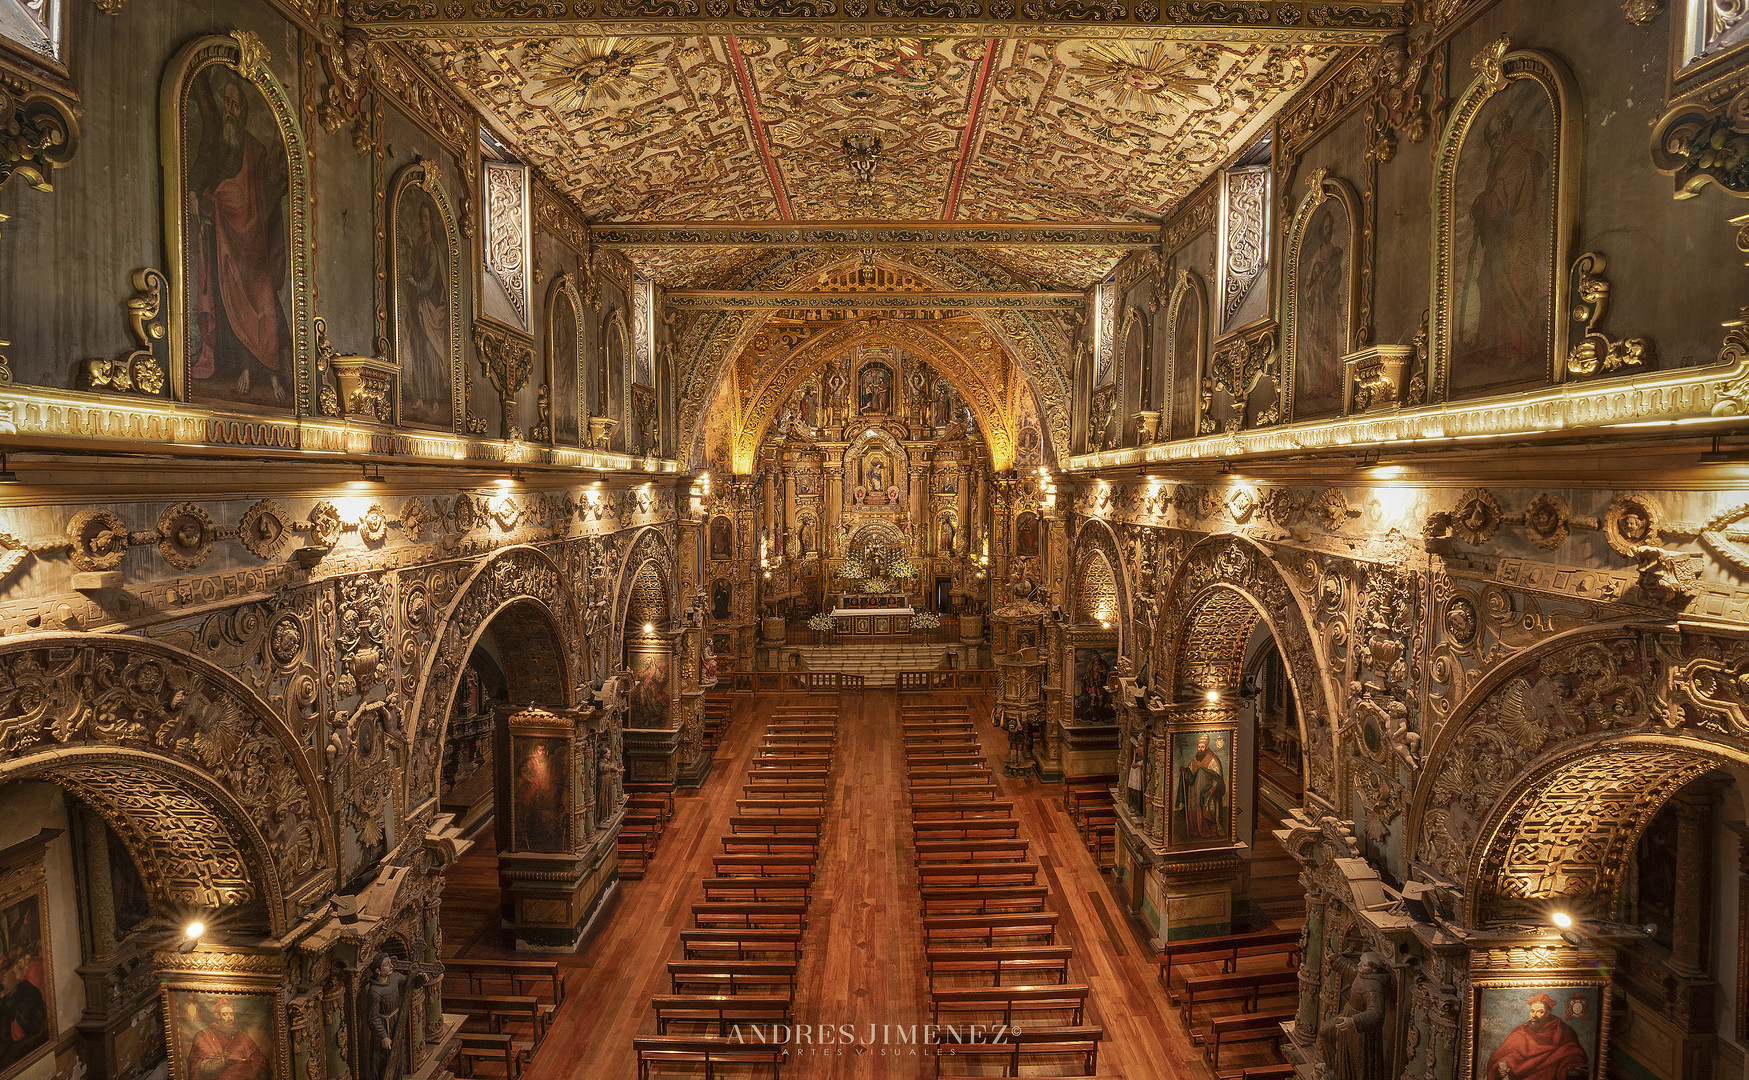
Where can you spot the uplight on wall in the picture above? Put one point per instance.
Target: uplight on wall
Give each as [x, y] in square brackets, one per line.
[1213, 696]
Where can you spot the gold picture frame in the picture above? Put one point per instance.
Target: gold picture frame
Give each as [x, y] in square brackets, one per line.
[1505, 981]
[244, 55]
[564, 291]
[25, 942]
[1322, 189]
[424, 175]
[1187, 287]
[1498, 70]
[196, 989]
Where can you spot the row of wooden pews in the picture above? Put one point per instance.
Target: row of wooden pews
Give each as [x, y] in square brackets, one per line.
[1087, 801]
[507, 1006]
[1247, 969]
[736, 974]
[719, 713]
[998, 981]
[649, 809]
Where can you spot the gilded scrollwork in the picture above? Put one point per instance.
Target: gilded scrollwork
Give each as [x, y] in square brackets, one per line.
[1593, 350]
[140, 369]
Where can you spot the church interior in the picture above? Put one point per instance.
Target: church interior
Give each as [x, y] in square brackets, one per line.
[659, 539]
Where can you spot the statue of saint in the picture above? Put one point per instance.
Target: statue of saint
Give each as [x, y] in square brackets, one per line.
[1353, 1044]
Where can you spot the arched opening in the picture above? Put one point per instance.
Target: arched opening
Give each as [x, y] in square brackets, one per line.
[1638, 844]
[517, 659]
[648, 649]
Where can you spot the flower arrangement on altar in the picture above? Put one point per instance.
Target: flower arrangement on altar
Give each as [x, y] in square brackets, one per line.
[877, 585]
[926, 620]
[822, 622]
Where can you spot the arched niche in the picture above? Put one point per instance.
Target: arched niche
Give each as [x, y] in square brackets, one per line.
[876, 448]
[213, 795]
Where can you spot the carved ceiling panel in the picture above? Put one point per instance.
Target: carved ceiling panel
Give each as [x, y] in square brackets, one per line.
[727, 129]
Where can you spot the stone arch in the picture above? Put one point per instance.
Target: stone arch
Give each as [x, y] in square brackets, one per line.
[209, 789]
[1530, 726]
[1567, 827]
[1096, 538]
[1032, 347]
[520, 574]
[989, 399]
[1190, 606]
[649, 546]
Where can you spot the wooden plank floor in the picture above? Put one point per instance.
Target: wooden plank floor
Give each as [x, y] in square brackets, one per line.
[863, 960]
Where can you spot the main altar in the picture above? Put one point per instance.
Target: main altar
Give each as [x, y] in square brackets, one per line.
[873, 602]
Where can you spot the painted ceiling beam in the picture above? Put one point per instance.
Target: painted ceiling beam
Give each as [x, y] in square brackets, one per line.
[774, 235]
[1313, 22]
[720, 300]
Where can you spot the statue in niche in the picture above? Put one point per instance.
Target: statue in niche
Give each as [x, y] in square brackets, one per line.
[384, 996]
[1353, 1044]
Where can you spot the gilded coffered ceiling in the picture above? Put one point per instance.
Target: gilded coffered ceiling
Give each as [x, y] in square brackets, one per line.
[697, 129]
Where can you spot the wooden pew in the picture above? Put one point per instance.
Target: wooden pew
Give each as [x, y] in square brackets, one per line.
[1033, 962]
[987, 873]
[775, 770]
[722, 1011]
[1009, 1000]
[521, 976]
[931, 852]
[750, 915]
[937, 736]
[1086, 787]
[739, 944]
[652, 795]
[1244, 1027]
[494, 1047]
[775, 824]
[636, 843]
[954, 790]
[499, 1010]
[951, 809]
[925, 750]
[986, 900]
[790, 759]
[1008, 1048]
[979, 776]
[756, 807]
[989, 929]
[786, 864]
[783, 789]
[1228, 949]
[992, 829]
[753, 889]
[1248, 987]
[772, 844]
[690, 1053]
[732, 976]
[944, 761]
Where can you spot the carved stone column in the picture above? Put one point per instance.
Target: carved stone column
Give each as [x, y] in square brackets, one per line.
[791, 544]
[962, 505]
[767, 504]
[833, 477]
[1694, 819]
[924, 537]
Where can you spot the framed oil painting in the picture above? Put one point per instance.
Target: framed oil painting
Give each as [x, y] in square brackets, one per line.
[236, 178]
[1530, 1030]
[426, 307]
[1026, 533]
[649, 704]
[27, 983]
[565, 353]
[1322, 285]
[222, 1034]
[1202, 786]
[538, 771]
[1188, 332]
[722, 538]
[874, 390]
[1505, 173]
[1093, 668]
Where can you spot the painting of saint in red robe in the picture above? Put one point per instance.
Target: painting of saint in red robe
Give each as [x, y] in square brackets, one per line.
[223, 1037]
[236, 202]
[1532, 1033]
[1502, 268]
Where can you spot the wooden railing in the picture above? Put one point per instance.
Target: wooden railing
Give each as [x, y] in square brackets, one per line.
[972, 679]
[803, 682]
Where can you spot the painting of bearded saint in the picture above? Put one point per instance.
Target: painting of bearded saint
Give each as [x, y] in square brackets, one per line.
[223, 1037]
[539, 816]
[1205, 761]
[422, 309]
[236, 204]
[1322, 331]
[1501, 270]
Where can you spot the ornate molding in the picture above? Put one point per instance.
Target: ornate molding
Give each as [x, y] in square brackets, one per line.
[39, 133]
[1593, 350]
[508, 360]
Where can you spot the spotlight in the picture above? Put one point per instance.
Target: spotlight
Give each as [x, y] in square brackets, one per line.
[191, 935]
[1562, 920]
[1226, 468]
[516, 477]
[1718, 455]
[1213, 696]
[649, 628]
[369, 477]
[7, 476]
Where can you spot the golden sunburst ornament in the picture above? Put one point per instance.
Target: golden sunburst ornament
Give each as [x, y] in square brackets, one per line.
[576, 73]
[1149, 83]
